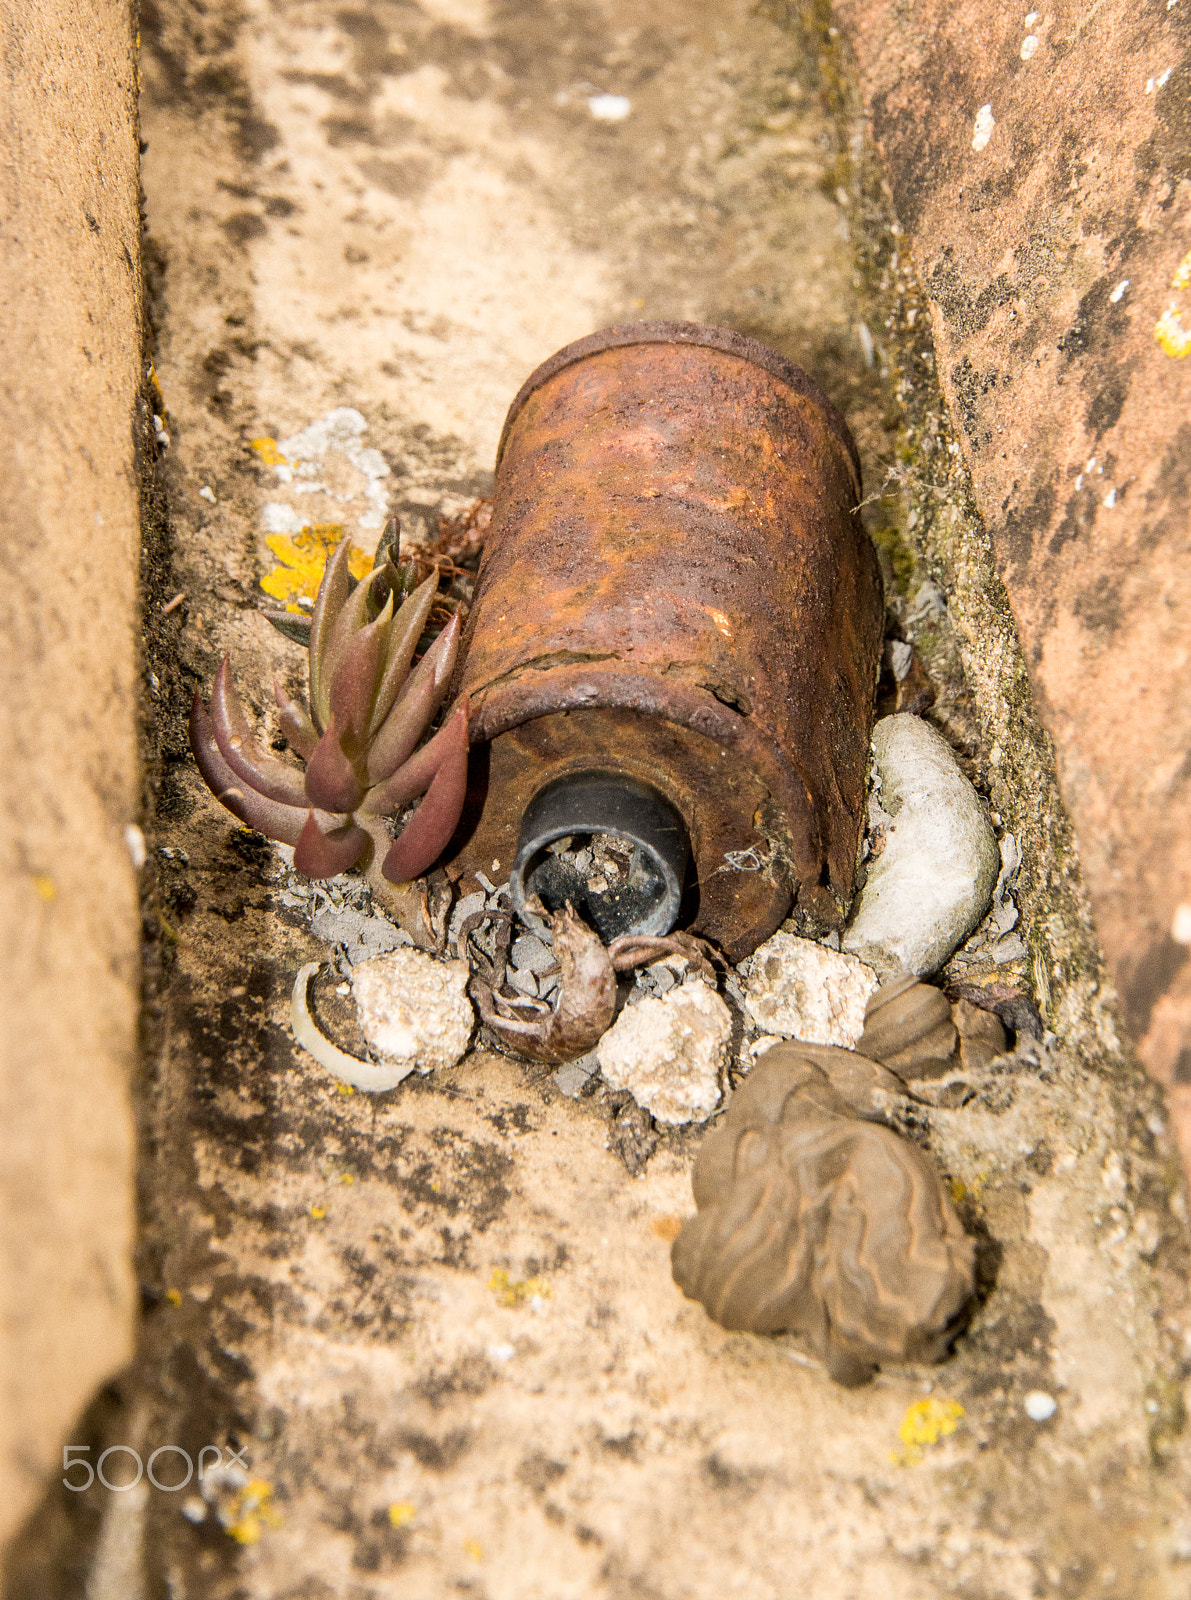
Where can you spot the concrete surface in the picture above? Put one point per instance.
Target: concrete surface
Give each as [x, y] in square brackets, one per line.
[440, 1323]
[1048, 243]
[70, 326]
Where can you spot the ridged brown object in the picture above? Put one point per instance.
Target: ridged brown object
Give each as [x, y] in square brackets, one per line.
[909, 1027]
[814, 1222]
[676, 586]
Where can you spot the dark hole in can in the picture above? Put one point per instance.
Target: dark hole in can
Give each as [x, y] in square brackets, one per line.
[613, 847]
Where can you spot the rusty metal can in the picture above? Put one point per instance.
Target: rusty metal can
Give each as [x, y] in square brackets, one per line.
[676, 588]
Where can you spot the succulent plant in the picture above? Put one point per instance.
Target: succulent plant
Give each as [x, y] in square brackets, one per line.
[358, 738]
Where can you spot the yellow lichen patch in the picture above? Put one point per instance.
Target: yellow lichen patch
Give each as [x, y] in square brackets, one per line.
[474, 1549]
[45, 887]
[1172, 333]
[1182, 277]
[402, 1513]
[344, 1088]
[251, 1512]
[515, 1292]
[269, 453]
[303, 557]
[318, 1212]
[667, 1228]
[925, 1423]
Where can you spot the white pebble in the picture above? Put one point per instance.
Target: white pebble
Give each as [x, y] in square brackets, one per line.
[802, 990]
[609, 107]
[134, 843]
[670, 1052]
[932, 882]
[1029, 47]
[1040, 1406]
[983, 132]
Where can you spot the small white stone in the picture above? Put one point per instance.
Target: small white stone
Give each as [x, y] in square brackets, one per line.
[609, 107]
[802, 990]
[670, 1052]
[932, 883]
[1180, 928]
[413, 1008]
[501, 1352]
[983, 131]
[1029, 47]
[1040, 1406]
[134, 843]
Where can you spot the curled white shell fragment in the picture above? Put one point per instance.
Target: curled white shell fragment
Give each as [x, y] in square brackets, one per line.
[373, 1077]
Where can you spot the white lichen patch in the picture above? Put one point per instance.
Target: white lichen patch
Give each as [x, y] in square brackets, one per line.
[983, 131]
[670, 1052]
[801, 990]
[414, 1009]
[322, 469]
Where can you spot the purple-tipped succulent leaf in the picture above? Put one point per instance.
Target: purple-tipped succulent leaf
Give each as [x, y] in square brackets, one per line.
[403, 641]
[425, 835]
[352, 618]
[324, 855]
[404, 726]
[353, 684]
[295, 722]
[281, 822]
[239, 748]
[414, 777]
[333, 592]
[416, 704]
[331, 781]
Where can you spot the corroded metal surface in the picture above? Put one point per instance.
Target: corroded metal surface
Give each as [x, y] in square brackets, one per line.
[675, 586]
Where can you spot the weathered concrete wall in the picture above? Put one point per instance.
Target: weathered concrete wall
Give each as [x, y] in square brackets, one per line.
[1048, 231]
[70, 325]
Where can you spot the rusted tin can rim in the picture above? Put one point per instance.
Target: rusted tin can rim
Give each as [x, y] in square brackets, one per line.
[587, 805]
[703, 336]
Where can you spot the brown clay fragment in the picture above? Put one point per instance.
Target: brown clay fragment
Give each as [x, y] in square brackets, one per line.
[909, 1028]
[813, 1222]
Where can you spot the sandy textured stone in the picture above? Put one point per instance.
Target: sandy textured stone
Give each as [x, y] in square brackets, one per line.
[802, 990]
[931, 883]
[1054, 256]
[670, 1052]
[70, 329]
[414, 1008]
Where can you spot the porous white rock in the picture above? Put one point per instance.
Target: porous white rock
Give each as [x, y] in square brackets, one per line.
[801, 990]
[933, 880]
[414, 1009]
[670, 1052]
